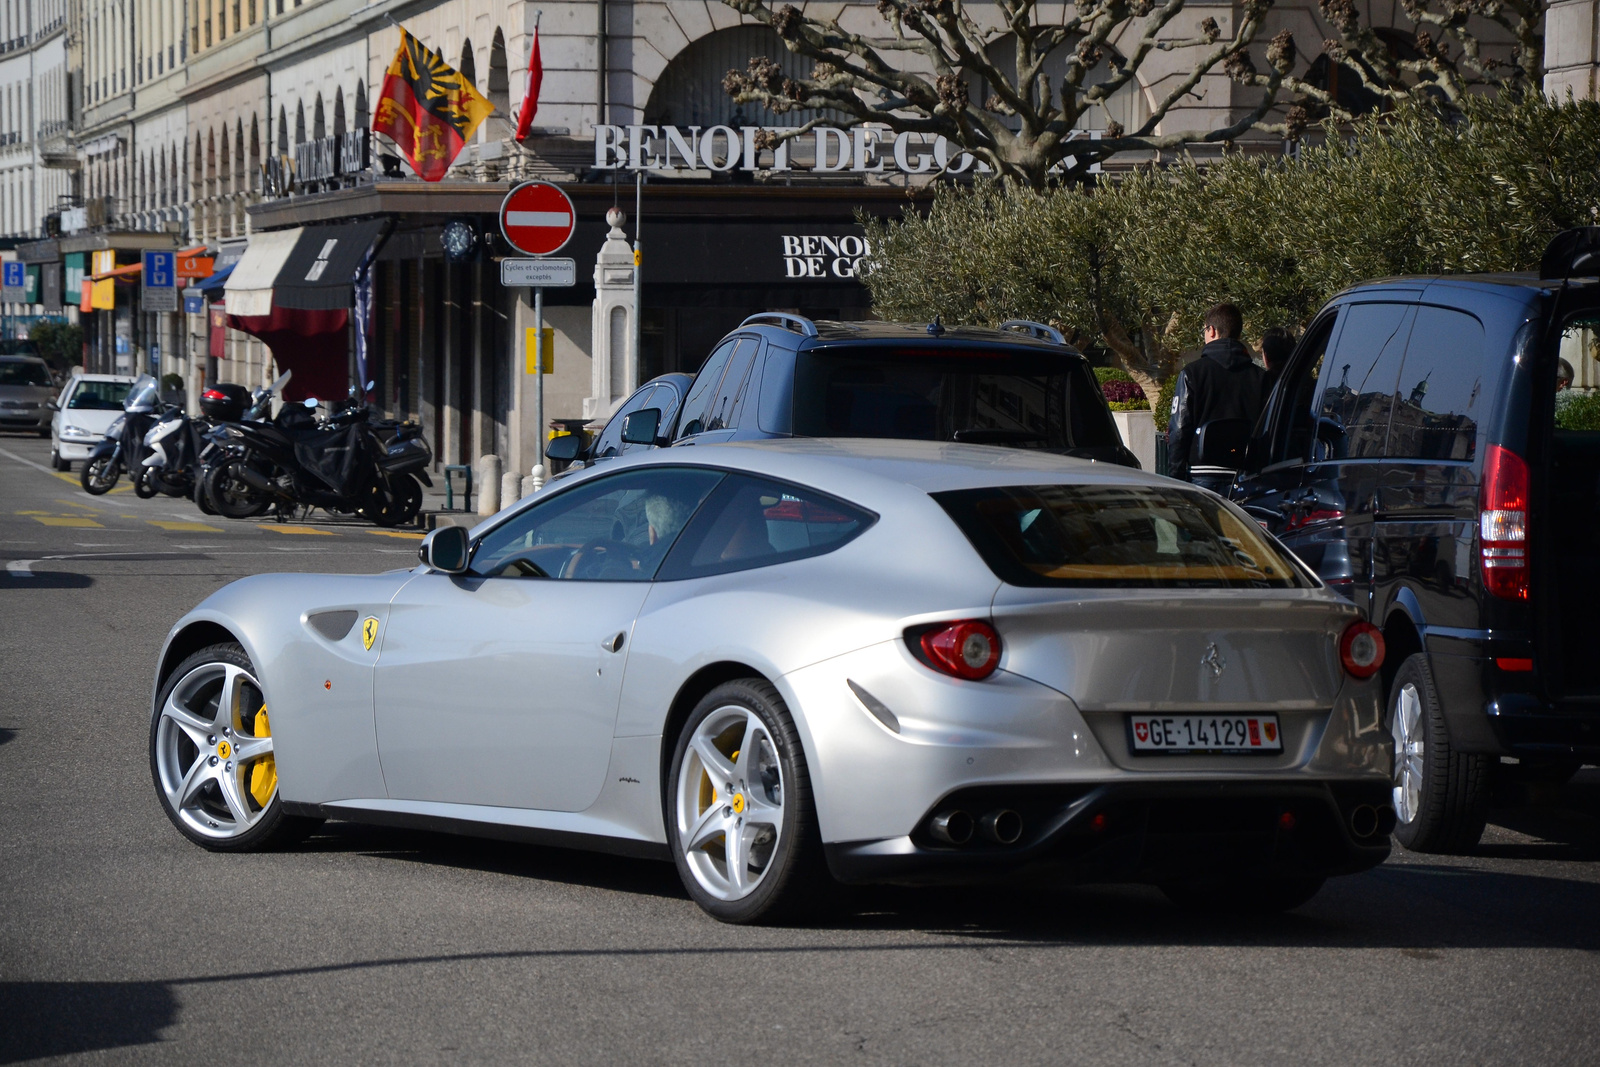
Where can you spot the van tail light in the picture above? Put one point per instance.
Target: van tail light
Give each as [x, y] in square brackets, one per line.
[969, 649]
[1503, 524]
[1361, 649]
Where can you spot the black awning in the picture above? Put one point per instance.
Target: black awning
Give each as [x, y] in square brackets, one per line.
[317, 274]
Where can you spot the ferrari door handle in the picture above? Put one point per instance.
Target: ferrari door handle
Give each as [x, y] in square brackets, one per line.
[614, 642]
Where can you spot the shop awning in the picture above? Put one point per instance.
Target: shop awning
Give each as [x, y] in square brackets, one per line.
[249, 287]
[121, 274]
[317, 274]
[212, 285]
[313, 344]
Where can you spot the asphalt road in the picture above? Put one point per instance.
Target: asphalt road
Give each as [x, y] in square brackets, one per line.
[119, 941]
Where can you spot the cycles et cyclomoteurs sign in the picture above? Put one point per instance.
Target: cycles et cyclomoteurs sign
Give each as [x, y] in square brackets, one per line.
[825, 150]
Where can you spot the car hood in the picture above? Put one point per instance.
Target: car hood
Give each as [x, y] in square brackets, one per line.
[92, 419]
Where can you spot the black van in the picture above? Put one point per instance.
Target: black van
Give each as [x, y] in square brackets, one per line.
[782, 375]
[1409, 455]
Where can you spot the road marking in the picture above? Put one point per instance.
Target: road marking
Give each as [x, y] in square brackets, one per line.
[21, 568]
[186, 527]
[35, 466]
[295, 529]
[397, 533]
[18, 568]
[35, 513]
[68, 520]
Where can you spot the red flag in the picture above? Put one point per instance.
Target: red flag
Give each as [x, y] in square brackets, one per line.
[530, 99]
[427, 109]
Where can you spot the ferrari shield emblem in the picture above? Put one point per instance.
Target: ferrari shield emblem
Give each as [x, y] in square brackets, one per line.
[369, 632]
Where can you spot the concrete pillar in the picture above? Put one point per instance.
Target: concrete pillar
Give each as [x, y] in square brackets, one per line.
[1572, 49]
[614, 374]
[488, 480]
[510, 488]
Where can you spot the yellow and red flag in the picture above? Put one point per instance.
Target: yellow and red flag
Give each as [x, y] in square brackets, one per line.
[427, 108]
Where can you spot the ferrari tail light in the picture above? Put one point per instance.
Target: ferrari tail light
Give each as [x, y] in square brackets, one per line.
[1361, 649]
[1503, 524]
[969, 649]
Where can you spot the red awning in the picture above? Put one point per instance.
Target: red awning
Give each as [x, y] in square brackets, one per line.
[313, 344]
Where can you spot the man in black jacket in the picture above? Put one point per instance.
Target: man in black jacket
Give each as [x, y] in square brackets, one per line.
[1224, 383]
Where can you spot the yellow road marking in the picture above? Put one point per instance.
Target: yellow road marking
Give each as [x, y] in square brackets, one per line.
[295, 529]
[397, 533]
[186, 527]
[33, 513]
[68, 520]
[75, 504]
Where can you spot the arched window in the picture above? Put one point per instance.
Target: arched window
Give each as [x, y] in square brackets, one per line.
[689, 92]
[241, 177]
[319, 126]
[255, 153]
[363, 120]
[338, 112]
[300, 123]
[469, 65]
[283, 131]
[499, 93]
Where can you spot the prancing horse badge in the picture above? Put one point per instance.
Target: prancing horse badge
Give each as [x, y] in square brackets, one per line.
[369, 631]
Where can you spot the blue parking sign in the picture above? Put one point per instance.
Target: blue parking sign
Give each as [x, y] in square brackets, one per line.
[16, 274]
[160, 270]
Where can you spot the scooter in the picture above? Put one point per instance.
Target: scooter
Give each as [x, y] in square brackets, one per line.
[122, 448]
[219, 449]
[172, 458]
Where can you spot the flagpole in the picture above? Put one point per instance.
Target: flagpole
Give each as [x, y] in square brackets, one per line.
[638, 265]
[538, 384]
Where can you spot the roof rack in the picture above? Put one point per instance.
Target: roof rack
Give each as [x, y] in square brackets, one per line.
[782, 318]
[1036, 330]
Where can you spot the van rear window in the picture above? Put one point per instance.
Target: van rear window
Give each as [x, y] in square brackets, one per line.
[1117, 536]
[936, 393]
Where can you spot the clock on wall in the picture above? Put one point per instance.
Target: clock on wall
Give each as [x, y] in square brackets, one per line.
[460, 240]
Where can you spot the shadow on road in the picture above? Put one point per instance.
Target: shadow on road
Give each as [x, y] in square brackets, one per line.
[6, 734]
[45, 580]
[62, 1018]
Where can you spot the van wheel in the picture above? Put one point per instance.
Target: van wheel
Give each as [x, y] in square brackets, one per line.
[1439, 794]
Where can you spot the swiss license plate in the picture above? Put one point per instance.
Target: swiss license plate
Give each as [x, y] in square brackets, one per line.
[1218, 734]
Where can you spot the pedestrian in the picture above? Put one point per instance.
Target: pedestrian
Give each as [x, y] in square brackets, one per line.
[1277, 344]
[1224, 383]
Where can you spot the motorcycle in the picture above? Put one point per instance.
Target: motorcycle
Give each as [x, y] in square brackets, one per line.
[172, 454]
[122, 448]
[346, 463]
[225, 404]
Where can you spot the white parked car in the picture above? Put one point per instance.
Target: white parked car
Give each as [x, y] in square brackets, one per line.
[779, 661]
[88, 405]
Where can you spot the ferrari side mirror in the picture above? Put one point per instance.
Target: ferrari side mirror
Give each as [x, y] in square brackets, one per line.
[446, 550]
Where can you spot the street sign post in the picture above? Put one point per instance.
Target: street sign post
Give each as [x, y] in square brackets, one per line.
[16, 281]
[538, 273]
[159, 287]
[537, 219]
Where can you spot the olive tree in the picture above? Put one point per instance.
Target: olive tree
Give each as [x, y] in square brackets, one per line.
[918, 76]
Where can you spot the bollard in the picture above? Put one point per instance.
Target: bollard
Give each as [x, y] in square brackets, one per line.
[537, 474]
[488, 484]
[510, 488]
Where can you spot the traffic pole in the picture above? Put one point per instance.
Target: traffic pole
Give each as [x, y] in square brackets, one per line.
[538, 377]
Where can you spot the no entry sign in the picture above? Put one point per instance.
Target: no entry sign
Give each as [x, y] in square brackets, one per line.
[537, 218]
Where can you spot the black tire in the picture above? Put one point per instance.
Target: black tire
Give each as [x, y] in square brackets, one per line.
[56, 462]
[795, 878]
[44, 433]
[1452, 788]
[274, 828]
[99, 476]
[144, 483]
[397, 507]
[202, 499]
[1242, 896]
[232, 496]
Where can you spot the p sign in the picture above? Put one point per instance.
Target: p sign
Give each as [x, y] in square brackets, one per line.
[537, 218]
[160, 271]
[15, 278]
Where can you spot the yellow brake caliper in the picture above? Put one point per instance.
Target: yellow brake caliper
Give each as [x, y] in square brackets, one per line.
[264, 773]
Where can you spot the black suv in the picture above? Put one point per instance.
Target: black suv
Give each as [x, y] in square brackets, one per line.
[781, 375]
[1409, 455]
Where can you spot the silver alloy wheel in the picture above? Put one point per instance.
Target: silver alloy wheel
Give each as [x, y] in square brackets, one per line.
[207, 748]
[729, 806]
[1407, 753]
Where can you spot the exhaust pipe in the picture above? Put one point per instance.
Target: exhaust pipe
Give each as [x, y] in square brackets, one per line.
[952, 827]
[255, 479]
[1364, 820]
[1003, 827]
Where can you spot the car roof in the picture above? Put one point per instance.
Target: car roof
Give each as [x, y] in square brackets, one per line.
[21, 357]
[870, 332]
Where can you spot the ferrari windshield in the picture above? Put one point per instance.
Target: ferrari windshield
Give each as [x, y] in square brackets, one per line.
[1003, 397]
[1117, 535]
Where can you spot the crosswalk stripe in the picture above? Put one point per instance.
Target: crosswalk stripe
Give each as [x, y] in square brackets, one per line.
[295, 529]
[68, 520]
[186, 527]
[397, 533]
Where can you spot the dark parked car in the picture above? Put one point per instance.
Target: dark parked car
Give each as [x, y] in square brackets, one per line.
[1409, 454]
[782, 375]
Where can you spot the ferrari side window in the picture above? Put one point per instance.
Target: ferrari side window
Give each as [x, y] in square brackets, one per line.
[616, 529]
[752, 522]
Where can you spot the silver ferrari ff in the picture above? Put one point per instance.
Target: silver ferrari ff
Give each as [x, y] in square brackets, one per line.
[787, 663]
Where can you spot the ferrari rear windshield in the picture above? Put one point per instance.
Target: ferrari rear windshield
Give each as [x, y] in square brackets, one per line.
[1117, 536]
[942, 393]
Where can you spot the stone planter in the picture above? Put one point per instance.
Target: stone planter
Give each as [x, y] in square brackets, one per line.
[1138, 430]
